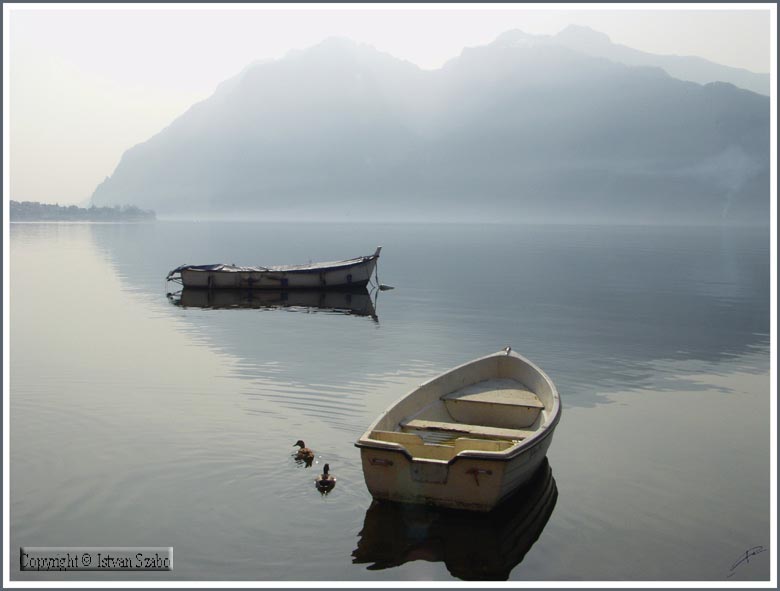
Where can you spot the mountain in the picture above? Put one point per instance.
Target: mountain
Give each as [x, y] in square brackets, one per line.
[691, 68]
[511, 130]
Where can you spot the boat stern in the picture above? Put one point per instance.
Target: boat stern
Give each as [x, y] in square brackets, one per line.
[393, 472]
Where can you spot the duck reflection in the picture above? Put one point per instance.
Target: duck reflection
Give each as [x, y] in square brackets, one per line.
[473, 546]
[356, 302]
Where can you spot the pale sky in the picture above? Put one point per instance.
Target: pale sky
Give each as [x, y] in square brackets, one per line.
[85, 85]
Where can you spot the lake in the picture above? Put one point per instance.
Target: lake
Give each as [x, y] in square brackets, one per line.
[137, 421]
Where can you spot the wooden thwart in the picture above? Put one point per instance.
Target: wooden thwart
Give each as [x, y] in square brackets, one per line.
[474, 430]
[497, 391]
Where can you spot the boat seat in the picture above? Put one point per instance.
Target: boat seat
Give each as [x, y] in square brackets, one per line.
[501, 402]
[499, 391]
[397, 437]
[472, 430]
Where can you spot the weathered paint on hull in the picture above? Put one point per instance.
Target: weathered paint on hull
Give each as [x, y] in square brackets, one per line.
[475, 484]
[520, 469]
[357, 275]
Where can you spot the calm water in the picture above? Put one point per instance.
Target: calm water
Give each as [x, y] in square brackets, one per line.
[136, 421]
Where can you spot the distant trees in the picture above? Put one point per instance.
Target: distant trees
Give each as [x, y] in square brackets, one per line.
[33, 211]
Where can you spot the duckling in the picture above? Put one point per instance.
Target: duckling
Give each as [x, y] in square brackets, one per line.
[325, 481]
[304, 453]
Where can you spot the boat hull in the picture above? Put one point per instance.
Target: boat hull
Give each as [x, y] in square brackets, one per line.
[472, 546]
[351, 274]
[466, 483]
[356, 276]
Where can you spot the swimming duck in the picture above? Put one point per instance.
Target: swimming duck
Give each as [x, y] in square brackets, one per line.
[325, 481]
[304, 453]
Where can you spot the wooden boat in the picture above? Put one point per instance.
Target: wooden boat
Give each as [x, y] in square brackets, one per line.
[473, 546]
[465, 439]
[353, 302]
[348, 273]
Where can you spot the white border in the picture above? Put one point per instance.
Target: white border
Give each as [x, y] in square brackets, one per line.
[773, 291]
[393, 6]
[401, 583]
[6, 293]
[772, 583]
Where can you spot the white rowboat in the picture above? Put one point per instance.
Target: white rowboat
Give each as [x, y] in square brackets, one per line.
[465, 439]
[348, 273]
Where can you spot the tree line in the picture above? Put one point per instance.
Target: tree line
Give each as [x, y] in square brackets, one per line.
[33, 211]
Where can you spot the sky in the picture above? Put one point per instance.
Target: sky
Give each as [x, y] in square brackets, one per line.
[87, 84]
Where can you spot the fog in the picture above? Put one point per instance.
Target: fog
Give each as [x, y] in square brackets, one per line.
[514, 130]
[86, 85]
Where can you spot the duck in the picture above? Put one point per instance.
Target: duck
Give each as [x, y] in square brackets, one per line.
[325, 481]
[304, 453]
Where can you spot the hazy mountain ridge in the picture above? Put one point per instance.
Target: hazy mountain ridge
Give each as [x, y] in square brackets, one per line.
[503, 131]
[597, 44]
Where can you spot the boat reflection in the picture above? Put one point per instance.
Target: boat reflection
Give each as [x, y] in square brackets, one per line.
[473, 546]
[355, 302]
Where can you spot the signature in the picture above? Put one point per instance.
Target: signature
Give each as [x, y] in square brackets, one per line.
[745, 558]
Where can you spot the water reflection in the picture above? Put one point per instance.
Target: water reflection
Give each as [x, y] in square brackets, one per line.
[639, 322]
[627, 296]
[473, 546]
[356, 302]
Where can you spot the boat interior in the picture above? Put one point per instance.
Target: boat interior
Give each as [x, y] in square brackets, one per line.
[482, 408]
